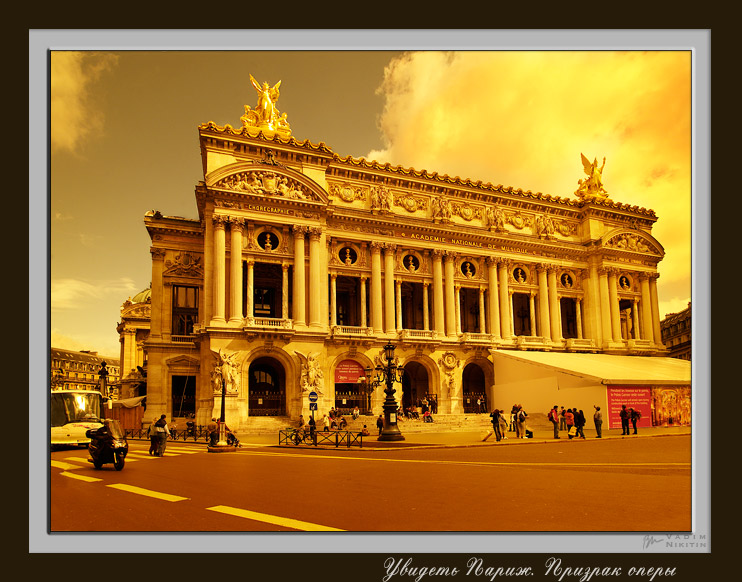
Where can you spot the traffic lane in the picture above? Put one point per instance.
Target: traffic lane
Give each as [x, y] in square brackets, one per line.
[351, 493]
[479, 497]
[90, 500]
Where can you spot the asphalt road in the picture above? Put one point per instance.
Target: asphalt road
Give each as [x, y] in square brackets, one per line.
[641, 484]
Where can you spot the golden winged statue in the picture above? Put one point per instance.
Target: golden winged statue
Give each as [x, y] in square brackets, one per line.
[266, 116]
[592, 187]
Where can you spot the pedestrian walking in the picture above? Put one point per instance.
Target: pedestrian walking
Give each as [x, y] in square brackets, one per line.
[562, 419]
[495, 416]
[598, 420]
[380, 423]
[624, 414]
[326, 423]
[634, 416]
[153, 438]
[554, 418]
[479, 404]
[162, 433]
[580, 423]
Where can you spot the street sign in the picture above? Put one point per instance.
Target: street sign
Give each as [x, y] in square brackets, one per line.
[313, 397]
[312, 406]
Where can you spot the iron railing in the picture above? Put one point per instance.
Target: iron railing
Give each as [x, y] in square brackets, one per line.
[336, 438]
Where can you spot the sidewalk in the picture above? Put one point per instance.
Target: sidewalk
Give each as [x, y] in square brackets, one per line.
[460, 439]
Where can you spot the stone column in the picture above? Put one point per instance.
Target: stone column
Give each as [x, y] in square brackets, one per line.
[389, 310]
[236, 226]
[438, 303]
[426, 307]
[250, 290]
[219, 268]
[315, 280]
[554, 315]
[285, 292]
[532, 310]
[592, 309]
[615, 312]
[605, 305]
[482, 326]
[376, 303]
[207, 299]
[511, 315]
[333, 300]
[635, 318]
[457, 295]
[543, 303]
[578, 310]
[646, 308]
[158, 264]
[505, 319]
[494, 308]
[450, 295]
[656, 330]
[300, 289]
[399, 305]
[364, 318]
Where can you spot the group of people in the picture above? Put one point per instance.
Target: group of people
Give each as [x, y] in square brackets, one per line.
[158, 432]
[573, 421]
[334, 420]
[629, 415]
[515, 422]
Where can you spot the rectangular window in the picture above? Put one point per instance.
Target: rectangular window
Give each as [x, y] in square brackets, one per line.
[185, 309]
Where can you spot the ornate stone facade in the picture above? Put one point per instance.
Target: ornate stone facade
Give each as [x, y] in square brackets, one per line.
[298, 252]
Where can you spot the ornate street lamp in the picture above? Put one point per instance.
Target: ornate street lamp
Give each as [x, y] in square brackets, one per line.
[388, 375]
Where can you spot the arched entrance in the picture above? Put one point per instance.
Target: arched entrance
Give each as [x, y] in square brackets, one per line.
[266, 388]
[474, 387]
[350, 388]
[415, 386]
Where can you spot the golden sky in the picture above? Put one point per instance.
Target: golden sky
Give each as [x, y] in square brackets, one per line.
[124, 141]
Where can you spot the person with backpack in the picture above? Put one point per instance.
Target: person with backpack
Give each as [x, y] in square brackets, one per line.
[520, 423]
[554, 418]
[634, 416]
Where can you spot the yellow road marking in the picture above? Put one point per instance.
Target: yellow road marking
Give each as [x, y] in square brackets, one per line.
[80, 477]
[63, 466]
[147, 492]
[274, 519]
[472, 463]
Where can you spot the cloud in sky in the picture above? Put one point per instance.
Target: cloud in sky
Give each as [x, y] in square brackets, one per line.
[522, 119]
[73, 112]
[76, 294]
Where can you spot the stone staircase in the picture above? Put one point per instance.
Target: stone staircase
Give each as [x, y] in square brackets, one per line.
[270, 425]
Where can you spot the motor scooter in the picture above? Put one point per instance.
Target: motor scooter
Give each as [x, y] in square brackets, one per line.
[108, 444]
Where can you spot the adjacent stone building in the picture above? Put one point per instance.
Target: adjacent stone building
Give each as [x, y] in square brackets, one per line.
[302, 264]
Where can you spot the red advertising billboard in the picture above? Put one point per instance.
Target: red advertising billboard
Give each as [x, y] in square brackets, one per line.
[348, 371]
[636, 397]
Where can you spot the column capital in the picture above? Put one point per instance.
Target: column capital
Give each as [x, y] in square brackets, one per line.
[315, 232]
[504, 263]
[376, 246]
[299, 229]
[237, 223]
[437, 254]
[389, 247]
[450, 255]
[491, 261]
[219, 220]
[157, 254]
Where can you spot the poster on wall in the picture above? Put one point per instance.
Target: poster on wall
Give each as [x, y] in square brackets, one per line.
[671, 406]
[636, 397]
[348, 371]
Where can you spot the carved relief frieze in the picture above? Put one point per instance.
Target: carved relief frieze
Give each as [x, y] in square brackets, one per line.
[346, 192]
[184, 264]
[411, 203]
[518, 220]
[631, 242]
[265, 183]
[466, 211]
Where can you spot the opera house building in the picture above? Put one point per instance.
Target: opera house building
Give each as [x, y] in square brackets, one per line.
[303, 264]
